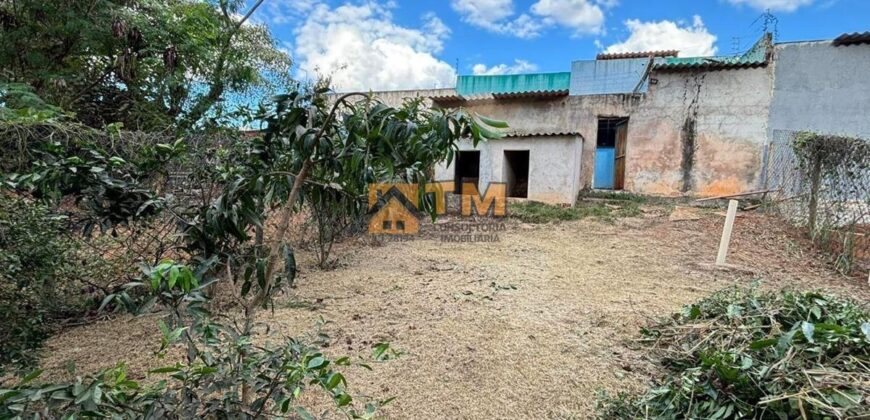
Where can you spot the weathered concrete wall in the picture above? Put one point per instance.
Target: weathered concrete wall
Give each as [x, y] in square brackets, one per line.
[820, 87]
[694, 133]
[578, 114]
[699, 133]
[554, 165]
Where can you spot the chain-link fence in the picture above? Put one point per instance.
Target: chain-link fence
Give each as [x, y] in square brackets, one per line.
[821, 184]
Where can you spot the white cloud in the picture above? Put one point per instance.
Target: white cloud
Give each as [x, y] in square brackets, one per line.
[285, 11]
[519, 66]
[435, 27]
[498, 16]
[580, 15]
[361, 48]
[774, 5]
[483, 12]
[691, 40]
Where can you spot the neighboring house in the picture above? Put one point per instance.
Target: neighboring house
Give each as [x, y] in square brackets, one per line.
[655, 123]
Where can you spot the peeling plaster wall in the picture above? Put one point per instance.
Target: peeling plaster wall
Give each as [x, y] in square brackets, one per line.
[693, 133]
[820, 87]
[699, 133]
[567, 114]
[554, 165]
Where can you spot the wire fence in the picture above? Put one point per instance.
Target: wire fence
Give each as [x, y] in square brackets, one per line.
[822, 186]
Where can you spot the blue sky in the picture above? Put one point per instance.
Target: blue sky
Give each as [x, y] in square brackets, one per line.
[405, 44]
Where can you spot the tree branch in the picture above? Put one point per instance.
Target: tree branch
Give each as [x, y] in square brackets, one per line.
[287, 210]
[218, 84]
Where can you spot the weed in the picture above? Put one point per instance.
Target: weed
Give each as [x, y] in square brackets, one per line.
[535, 212]
[614, 196]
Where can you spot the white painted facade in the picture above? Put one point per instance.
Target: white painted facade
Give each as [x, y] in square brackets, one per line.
[554, 165]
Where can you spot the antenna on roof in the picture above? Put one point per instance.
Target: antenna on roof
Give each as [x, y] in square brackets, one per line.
[735, 45]
[769, 23]
[457, 66]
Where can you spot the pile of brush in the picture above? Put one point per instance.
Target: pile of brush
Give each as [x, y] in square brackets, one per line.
[746, 353]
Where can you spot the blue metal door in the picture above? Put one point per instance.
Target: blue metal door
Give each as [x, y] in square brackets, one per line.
[603, 176]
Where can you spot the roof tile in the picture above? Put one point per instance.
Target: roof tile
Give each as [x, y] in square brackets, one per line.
[638, 54]
[852, 39]
[542, 133]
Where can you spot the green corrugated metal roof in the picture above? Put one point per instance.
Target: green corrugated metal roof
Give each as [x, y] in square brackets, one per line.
[756, 56]
[514, 83]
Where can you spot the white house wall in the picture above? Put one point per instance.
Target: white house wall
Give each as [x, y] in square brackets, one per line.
[554, 165]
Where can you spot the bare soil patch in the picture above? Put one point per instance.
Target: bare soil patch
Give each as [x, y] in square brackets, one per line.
[528, 327]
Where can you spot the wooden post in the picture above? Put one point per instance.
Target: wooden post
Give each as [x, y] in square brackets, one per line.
[726, 232]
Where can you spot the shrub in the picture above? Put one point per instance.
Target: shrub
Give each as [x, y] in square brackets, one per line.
[34, 254]
[333, 213]
[742, 353]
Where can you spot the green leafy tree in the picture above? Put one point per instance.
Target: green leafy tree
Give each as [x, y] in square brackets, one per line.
[310, 141]
[148, 64]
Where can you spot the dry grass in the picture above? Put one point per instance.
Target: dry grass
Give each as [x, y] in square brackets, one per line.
[528, 327]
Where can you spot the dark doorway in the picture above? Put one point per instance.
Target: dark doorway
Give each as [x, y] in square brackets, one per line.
[467, 171]
[516, 170]
[610, 153]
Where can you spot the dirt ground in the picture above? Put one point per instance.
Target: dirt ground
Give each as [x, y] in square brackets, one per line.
[527, 327]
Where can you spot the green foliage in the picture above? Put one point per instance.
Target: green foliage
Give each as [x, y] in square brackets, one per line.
[148, 64]
[213, 386]
[19, 103]
[225, 374]
[383, 351]
[109, 188]
[536, 212]
[311, 146]
[750, 354]
[835, 154]
[35, 258]
[325, 153]
[333, 213]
